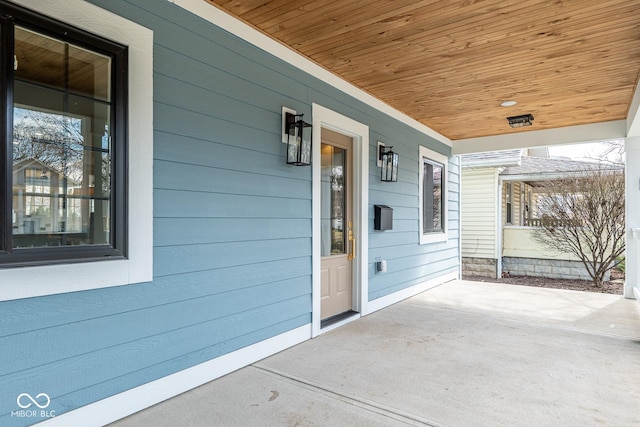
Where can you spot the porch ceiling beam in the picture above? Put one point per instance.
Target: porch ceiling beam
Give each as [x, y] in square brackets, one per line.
[548, 137]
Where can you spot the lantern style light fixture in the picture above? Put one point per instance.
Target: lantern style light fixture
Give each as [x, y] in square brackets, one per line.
[389, 164]
[520, 121]
[298, 140]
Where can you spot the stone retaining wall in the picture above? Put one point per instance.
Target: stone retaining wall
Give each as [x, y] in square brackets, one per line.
[557, 269]
[485, 267]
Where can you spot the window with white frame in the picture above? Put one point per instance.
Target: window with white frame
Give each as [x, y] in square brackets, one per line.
[432, 196]
[77, 109]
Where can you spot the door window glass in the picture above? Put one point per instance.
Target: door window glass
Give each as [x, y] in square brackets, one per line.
[333, 218]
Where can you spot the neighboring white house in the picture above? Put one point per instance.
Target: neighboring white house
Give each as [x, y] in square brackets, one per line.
[499, 214]
[45, 201]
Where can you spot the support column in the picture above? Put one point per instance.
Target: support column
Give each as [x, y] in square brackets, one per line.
[632, 198]
[499, 230]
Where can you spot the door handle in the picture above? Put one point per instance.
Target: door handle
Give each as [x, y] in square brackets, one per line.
[352, 242]
[352, 254]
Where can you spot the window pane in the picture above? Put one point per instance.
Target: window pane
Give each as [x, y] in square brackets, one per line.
[45, 61]
[509, 191]
[333, 200]
[432, 198]
[39, 59]
[61, 144]
[437, 198]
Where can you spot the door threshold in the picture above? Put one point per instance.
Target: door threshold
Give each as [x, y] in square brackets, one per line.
[338, 319]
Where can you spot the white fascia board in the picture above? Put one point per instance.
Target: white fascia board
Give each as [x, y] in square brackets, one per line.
[249, 34]
[548, 137]
[538, 177]
[493, 163]
[542, 176]
[633, 117]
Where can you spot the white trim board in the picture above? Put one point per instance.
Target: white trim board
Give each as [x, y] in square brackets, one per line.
[387, 300]
[131, 401]
[249, 34]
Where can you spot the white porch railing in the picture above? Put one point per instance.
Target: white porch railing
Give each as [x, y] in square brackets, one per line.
[539, 222]
[519, 242]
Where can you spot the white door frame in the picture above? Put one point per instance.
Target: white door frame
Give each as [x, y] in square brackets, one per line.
[328, 119]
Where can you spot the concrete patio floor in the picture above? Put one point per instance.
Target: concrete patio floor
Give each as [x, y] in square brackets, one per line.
[462, 354]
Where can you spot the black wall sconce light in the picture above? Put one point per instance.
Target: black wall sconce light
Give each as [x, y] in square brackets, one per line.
[298, 140]
[388, 162]
[520, 121]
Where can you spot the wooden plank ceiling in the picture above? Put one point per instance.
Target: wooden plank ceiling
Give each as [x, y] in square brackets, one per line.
[451, 63]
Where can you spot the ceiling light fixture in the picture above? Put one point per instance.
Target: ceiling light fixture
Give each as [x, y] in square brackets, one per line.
[520, 121]
[508, 103]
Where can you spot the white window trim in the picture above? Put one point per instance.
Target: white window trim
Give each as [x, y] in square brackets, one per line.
[444, 161]
[25, 282]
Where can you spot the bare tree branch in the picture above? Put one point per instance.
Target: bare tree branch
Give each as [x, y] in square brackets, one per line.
[584, 216]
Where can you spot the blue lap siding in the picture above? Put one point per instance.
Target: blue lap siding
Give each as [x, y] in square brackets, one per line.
[232, 226]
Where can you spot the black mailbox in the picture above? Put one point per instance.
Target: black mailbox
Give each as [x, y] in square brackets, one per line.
[383, 217]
